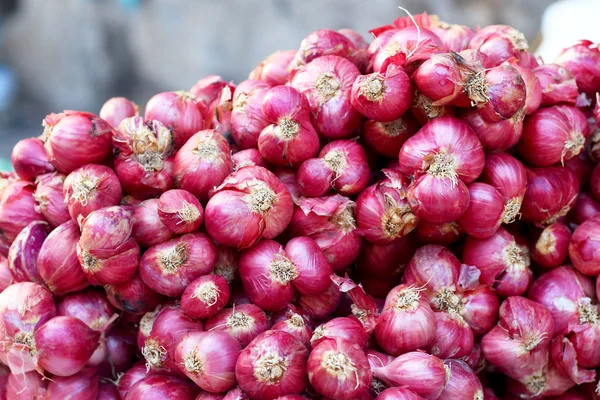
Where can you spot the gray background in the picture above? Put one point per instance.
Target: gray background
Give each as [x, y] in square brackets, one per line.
[74, 54]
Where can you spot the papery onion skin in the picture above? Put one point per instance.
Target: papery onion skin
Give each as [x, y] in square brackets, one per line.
[159, 387]
[17, 209]
[437, 199]
[582, 247]
[387, 138]
[116, 109]
[91, 306]
[499, 43]
[582, 60]
[397, 393]
[273, 70]
[483, 217]
[208, 89]
[248, 157]
[247, 118]
[505, 93]
[244, 323]
[558, 84]
[534, 87]
[348, 328]
[453, 336]
[552, 247]
[29, 159]
[405, 42]
[23, 252]
[322, 305]
[205, 296]
[180, 211]
[326, 42]
[50, 200]
[312, 266]
[30, 384]
[133, 296]
[272, 365]
[83, 385]
[463, 382]
[6, 278]
[148, 229]
[495, 135]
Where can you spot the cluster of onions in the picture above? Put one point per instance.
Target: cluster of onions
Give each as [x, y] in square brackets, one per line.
[413, 218]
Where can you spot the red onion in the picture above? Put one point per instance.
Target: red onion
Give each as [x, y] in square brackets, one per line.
[495, 135]
[236, 394]
[209, 359]
[440, 78]
[291, 138]
[108, 391]
[244, 322]
[205, 296]
[272, 365]
[23, 253]
[356, 38]
[180, 211]
[207, 89]
[180, 112]
[424, 374]
[397, 393]
[553, 135]
[341, 165]
[29, 159]
[339, 369]
[295, 324]
[387, 138]
[90, 306]
[219, 113]
[116, 109]
[534, 86]
[17, 209]
[247, 118]
[350, 329]
[558, 84]
[327, 83]
[362, 305]
[91, 188]
[148, 229]
[121, 349]
[385, 261]
[159, 387]
[383, 96]
[202, 163]
[6, 278]
[407, 323]
[131, 377]
[484, 215]
[453, 336]
[463, 382]
[582, 165]
[57, 261]
[454, 37]
[107, 252]
[248, 157]
[551, 192]
[507, 175]
[325, 42]
[321, 305]
[144, 162]
[552, 247]
[585, 207]
[133, 296]
[445, 233]
[548, 380]
[382, 211]
[312, 266]
[75, 138]
[29, 385]
[424, 110]
[64, 345]
[499, 43]
[582, 59]
[251, 197]
[582, 248]
[81, 386]
[274, 69]
[50, 200]
[413, 43]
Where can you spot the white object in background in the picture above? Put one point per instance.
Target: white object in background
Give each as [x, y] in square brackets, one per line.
[566, 22]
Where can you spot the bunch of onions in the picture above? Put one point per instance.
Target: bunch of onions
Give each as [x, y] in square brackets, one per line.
[582, 60]
[170, 326]
[551, 249]
[499, 43]
[507, 175]
[250, 204]
[437, 157]
[205, 296]
[301, 267]
[485, 212]
[90, 188]
[504, 263]
[180, 211]
[272, 365]
[154, 387]
[327, 83]
[57, 262]
[209, 359]
[273, 70]
[387, 138]
[558, 85]
[75, 138]
[454, 37]
[342, 165]
[326, 42]
[143, 162]
[148, 229]
[116, 109]
[29, 159]
[107, 252]
[180, 112]
[582, 248]
[247, 118]
[553, 135]
[207, 89]
[321, 305]
[202, 163]
[382, 210]
[495, 135]
[248, 158]
[133, 296]
[50, 200]
[551, 192]
[169, 267]
[290, 139]
[243, 322]
[17, 209]
[24, 251]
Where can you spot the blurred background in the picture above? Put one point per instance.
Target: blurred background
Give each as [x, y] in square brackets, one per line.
[75, 54]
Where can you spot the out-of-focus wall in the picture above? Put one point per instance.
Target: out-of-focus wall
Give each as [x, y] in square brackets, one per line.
[76, 53]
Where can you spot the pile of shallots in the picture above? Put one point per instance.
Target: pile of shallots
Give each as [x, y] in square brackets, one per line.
[411, 218]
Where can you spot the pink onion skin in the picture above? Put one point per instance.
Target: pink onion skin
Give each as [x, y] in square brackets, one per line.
[297, 325]
[106, 251]
[483, 217]
[23, 252]
[273, 70]
[207, 89]
[480, 309]
[50, 200]
[582, 248]
[244, 323]
[84, 385]
[17, 209]
[180, 211]
[397, 393]
[455, 37]
[357, 379]
[582, 60]
[6, 278]
[248, 157]
[552, 247]
[29, 159]
[553, 135]
[179, 111]
[227, 263]
[116, 109]
[133, 296]
[159, 387]
[558, 85]
[582, 166]
[237, 215]
[463, 382]
[387, 138]
[30, 385]
[438, 200]
[90, 188]
[312, 266]
[440, 78]
[453, 336]
[585, 207]
[499, 43]
[322, 305]
[332, 113]
[209, 359]
[121, 350]
[314, 178]
[349, 328]
[272, 350]
[247, 118]
[532, 83]
[404, 42]
[90, 306]
[64, 345]
[75, 138]
[445, 233]
[57, 261]
[506, 93]
[205, 296]
[495, 135]
[236, 394]
[148, 229]
[202, 163]
[131, 377]
[326, 42]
